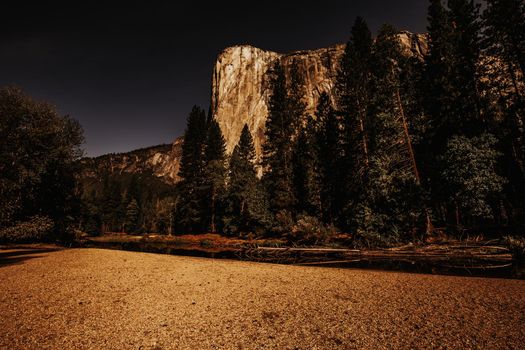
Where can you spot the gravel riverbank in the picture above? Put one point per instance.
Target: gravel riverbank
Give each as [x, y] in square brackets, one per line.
[107, 299]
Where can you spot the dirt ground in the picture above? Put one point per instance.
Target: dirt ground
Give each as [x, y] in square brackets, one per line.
[104, 299]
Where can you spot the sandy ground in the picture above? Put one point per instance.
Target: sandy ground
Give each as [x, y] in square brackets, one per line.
[103, 299]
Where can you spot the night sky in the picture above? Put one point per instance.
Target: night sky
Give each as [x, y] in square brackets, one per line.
[131, 71]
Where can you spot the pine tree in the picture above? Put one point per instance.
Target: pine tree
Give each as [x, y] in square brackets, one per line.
[286, 110]
[454, 100]
[111, 204]
[451, 73]
[352, 87]
[132, 216]
[306, 167]
[134, 190]
[352, 95]
[438, 70]
[246, 203]
[331, 161]
[389, 205]
[190, 211]
[505, 31]
[436, 99]
[504, 84]
[214, 175]
[466, 104]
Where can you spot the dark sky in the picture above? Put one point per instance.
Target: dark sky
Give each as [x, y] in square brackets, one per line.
[131, 71]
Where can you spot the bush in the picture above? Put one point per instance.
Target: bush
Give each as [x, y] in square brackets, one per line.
[283, 223]
[310, 231]
[38, 228]
[374, 229]
[516, 246]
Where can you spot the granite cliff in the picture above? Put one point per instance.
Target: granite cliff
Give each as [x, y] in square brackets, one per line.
[240, 88]
[160, 161]
[240, 94]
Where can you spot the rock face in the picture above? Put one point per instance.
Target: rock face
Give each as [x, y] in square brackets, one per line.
[240, 88]
[161, 161]
[240, 94]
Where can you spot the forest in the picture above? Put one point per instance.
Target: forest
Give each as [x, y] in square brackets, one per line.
[409, 150]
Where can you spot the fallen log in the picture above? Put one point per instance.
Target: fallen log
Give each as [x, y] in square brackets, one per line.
[461, 254]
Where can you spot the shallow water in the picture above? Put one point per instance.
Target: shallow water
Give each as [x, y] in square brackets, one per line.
[451, 267]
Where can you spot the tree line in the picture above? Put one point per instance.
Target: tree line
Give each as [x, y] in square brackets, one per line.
[402, 149]
[126, 202]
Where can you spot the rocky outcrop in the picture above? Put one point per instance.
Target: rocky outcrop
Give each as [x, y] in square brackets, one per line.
[240, 88]
[240, 94]
[160, 161]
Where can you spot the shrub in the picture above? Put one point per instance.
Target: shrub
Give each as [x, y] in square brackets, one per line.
[38, 228]
[309, 230]
[283, 223]
[374, 229]
[516, 246]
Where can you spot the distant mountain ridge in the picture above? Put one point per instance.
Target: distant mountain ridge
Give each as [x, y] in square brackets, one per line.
[240, 94]
[161, 161]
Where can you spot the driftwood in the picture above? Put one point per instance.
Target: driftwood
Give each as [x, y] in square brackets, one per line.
[451, 255]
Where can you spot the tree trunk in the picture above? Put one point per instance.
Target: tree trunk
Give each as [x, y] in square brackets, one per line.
[428, 220]
[458, 218]
[362, 129]
[213, 228]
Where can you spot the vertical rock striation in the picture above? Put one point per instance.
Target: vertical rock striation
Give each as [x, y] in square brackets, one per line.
[240, 88]
[240, 94]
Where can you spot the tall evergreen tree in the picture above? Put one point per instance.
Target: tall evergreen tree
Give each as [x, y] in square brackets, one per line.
[214, 175]
[438, 63]
[306, 167]
[504, 83]
[466, 104]
[505, 30]
[286, 110]
[389, 206]
[352, 91]
[111, 204]
[190, 211]
[132, 223]
[437, 98]
[352, 87]
[330, 141]
[247, 210]
[454, 101]
[452, 96]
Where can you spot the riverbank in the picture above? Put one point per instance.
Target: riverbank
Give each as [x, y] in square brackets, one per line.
[93, 298]
[463, 258]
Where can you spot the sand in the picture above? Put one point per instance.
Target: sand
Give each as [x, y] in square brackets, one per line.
[105, 299]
